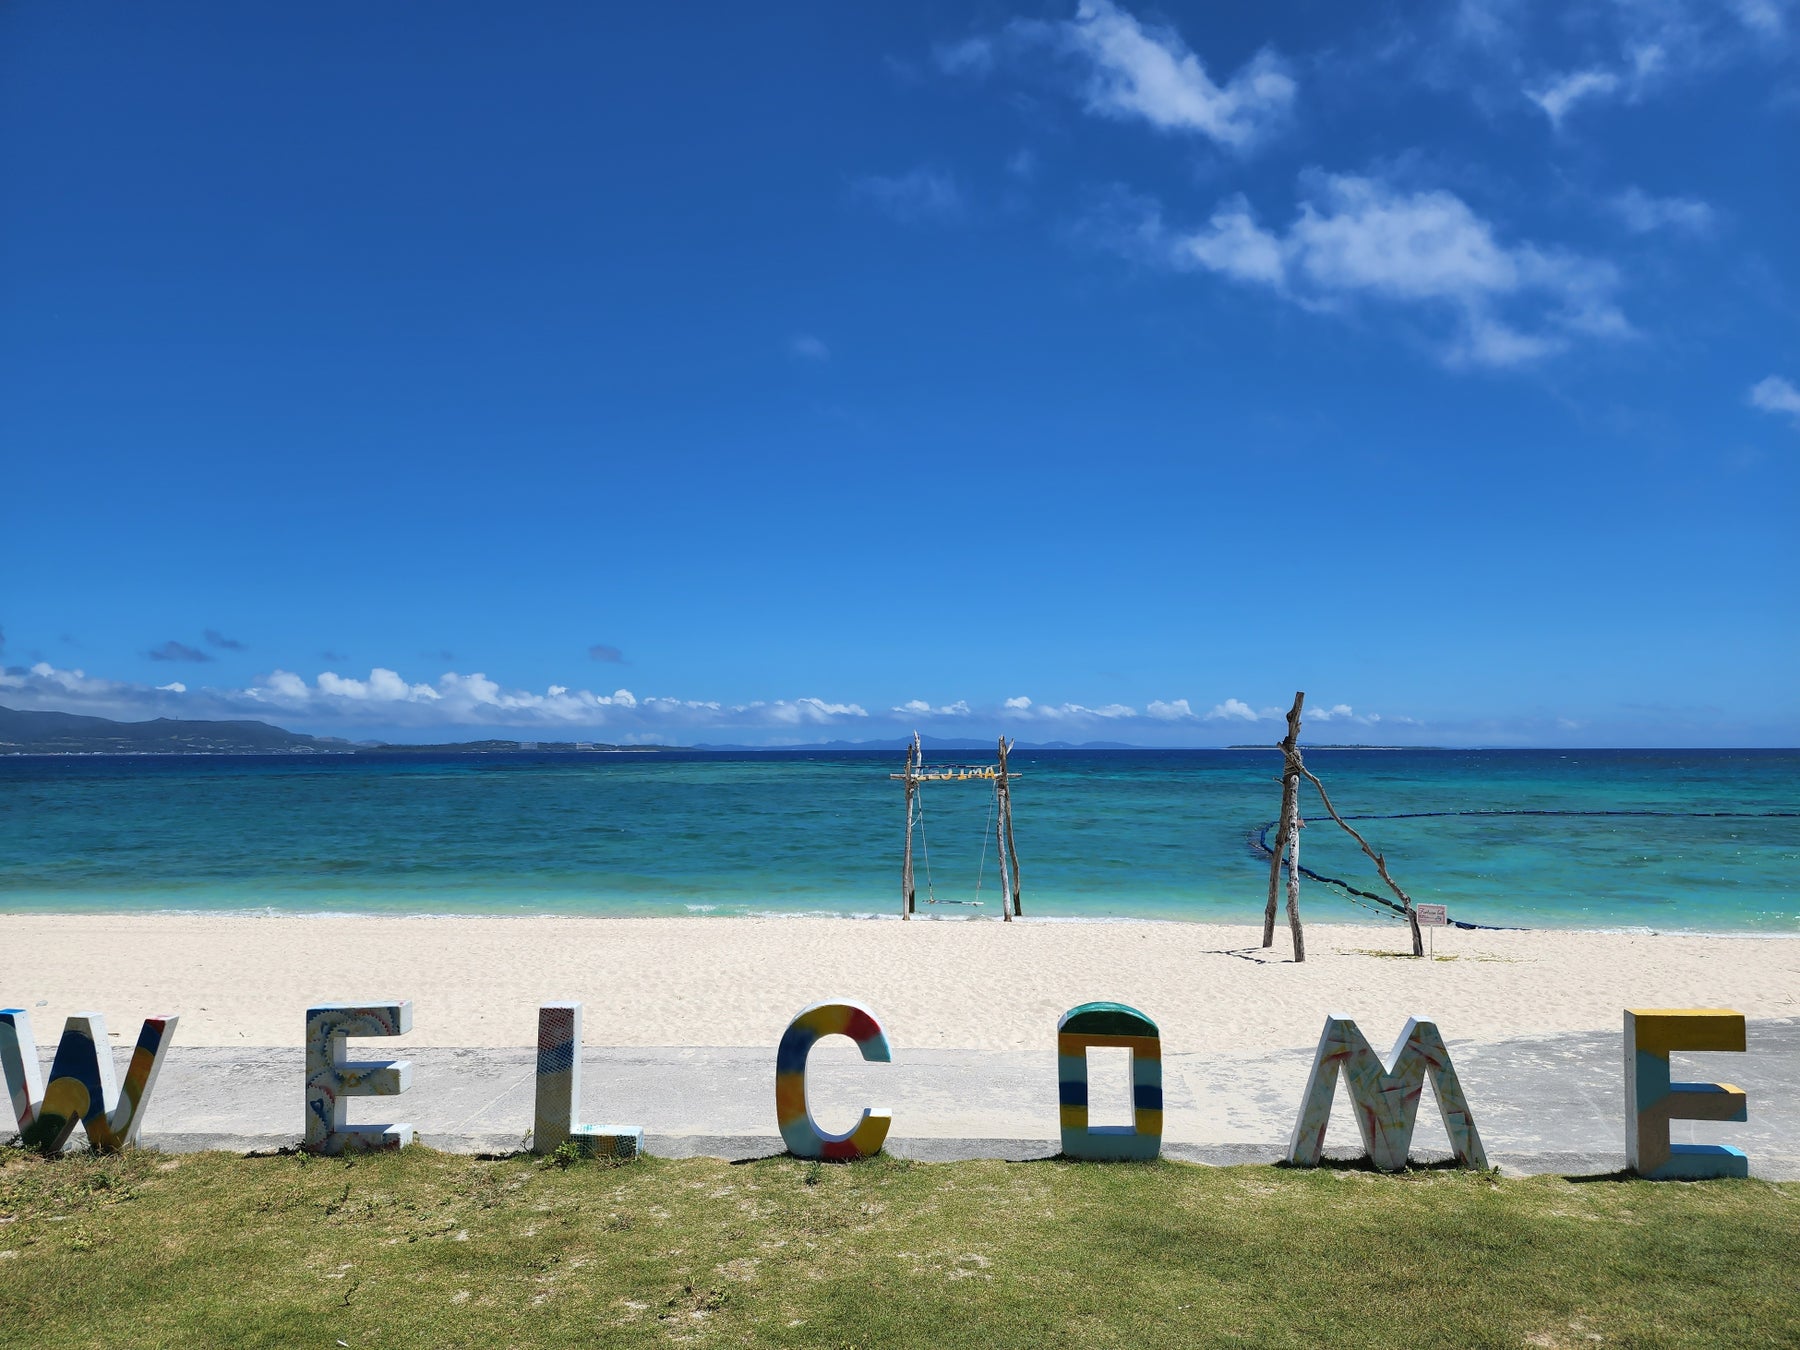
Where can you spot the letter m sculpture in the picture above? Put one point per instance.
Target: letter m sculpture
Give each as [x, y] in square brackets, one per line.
[1386, 1098]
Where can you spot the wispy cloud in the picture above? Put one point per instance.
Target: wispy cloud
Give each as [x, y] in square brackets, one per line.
[918, 707]
[177, 651]
[1024, 709]
[1360, 240]
[215, 638]
[1644, 214]
[808, 348]
[1150, 74]
[971, 56]
[1175, 710]
[1561, 95]
[601, 652]
[927, 194]
[1235, 710]
[1777, 395]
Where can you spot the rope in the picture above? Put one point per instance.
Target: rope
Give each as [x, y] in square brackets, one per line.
[1260, 841]
[982, 869]
[925, 845]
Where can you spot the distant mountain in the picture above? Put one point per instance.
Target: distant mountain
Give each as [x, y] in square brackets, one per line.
[56, 733]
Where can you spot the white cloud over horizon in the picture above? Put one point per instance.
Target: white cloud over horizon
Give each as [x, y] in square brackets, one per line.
[337, 704]
[1360, 240]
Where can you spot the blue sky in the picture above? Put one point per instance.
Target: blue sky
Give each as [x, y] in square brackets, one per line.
[1083, 372]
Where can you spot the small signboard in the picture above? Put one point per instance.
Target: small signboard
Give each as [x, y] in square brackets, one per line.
[1432, 916]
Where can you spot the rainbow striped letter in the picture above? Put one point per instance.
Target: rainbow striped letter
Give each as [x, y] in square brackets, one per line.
[1652, 1101]
[1109, 1024]
[82, 1087]
[331, 1079]
[1386, 1100]
[804, 1137]
[559, 1092]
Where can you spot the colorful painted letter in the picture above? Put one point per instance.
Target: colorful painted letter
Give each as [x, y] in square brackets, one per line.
[1386, 1100]
[82, 1087]
[559, 1093]
[1109, 1024]
[804, 1137]
[1652, 1101]
[331, 1079]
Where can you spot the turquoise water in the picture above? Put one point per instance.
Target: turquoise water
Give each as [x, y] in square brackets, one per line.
[1145, 834]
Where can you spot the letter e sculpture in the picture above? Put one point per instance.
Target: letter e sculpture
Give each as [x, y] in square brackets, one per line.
[1385, 1099]
[82, 1086]
[331, 1079]
[1652, 1101]
[1109, 1024]
[559, 1093]
[798, 1128]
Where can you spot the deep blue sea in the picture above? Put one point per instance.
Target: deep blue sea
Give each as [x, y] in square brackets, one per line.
[1144, 834]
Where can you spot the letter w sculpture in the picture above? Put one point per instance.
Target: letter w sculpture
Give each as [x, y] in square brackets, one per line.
[1386, 1099]
[82, 1087]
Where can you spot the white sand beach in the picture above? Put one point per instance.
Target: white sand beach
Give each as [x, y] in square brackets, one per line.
[246, 981]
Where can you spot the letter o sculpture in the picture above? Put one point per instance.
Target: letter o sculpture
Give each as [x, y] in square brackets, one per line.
[801, 1132]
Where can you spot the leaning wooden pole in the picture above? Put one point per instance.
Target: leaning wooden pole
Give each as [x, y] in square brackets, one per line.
[1012, 849]
[1380, 861]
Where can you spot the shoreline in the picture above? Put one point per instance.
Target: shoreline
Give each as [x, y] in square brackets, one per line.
[691, 981]
[696, 912]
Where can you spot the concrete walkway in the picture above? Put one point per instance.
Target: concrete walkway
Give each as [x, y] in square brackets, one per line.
[1552, 1104]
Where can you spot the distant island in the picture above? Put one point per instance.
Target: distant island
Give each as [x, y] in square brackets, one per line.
[58, 733]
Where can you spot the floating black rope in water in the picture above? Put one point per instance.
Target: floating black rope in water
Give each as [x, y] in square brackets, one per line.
[1259, 840]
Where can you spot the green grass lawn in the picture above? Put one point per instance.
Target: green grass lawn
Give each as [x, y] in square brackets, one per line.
[434, 1249]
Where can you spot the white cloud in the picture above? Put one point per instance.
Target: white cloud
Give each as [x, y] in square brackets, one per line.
[1358, 238]
[925, 194]
[172, 687]
[1777, 395]
[918, 707]
[971, 56]
[800, 711]
[1153, 75]
[1232, 710]
[1566, 91]
[1767, 18]
[1067, 712]
[382, 686]
[1174, 711]
[1643, 213]
[809, 348]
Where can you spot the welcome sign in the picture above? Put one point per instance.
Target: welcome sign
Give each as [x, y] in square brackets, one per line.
[1384, 1093]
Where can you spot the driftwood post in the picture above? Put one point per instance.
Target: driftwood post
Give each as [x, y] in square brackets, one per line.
[906, 867]
[1012, 850]
[1287, 836]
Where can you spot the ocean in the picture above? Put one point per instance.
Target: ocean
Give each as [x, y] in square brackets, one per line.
[1703, 841]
